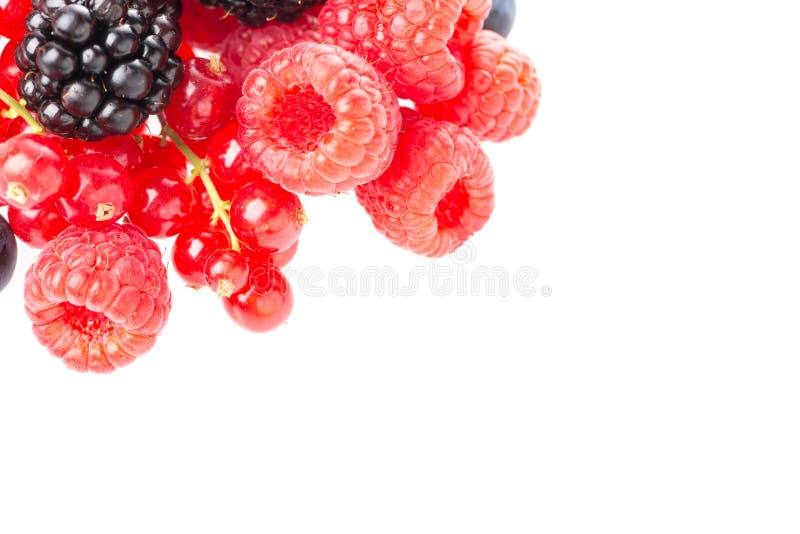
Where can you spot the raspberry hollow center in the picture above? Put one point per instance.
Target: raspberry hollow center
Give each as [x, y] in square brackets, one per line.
[451, 208]
[86, 321]
[303, 118]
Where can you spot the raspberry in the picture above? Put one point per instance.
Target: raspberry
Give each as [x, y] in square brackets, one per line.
[247, 48]
[95, 68]
[501, 94]
[438, 191]
[409, 41]
[317, 119]
[98, 298]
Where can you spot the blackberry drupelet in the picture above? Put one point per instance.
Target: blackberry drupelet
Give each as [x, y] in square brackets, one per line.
[94, 68]
[257, 13]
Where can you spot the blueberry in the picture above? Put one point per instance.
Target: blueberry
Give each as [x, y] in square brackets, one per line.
[501, 17]
[8, 253]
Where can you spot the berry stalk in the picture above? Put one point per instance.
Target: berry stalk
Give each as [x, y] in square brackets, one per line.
[18, 109]
[200, 169]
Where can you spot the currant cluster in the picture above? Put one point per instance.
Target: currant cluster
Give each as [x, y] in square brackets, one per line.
[309, 104]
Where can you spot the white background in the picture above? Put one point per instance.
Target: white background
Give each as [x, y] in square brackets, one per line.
[656, 390]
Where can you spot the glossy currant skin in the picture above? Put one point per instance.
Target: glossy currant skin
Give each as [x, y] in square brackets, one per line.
[36, 227]
[100, 191]
[278, 259]
[158, 152]
[163, 202]
[8, 253]
[13, 13]
[191, 250]
[228, 164]
[264, 303]
[123, 148]
[204, 102]
[9, 72]
[226, 272]
[32, 171]
[501, 17]
[266, 217]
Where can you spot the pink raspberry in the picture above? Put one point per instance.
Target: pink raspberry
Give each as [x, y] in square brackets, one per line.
[438, 191]
[247, 48]
[410, 41]
[98, 298]
[317, 119]
[501, 93]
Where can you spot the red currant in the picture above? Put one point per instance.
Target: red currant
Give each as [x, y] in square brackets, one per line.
[100, 191]
[10, 128]
[123, 148]
[36, 227]
[278, 259]
[32, 170]
[229, 166]
[266, 217]
[191, 251]
[203, 207]
[160, 152]
[162, 203]
[263, 303]
[13, 14]
[9, 72]
[204, 101]
[226, 272]
[205, 29]
[185, 51]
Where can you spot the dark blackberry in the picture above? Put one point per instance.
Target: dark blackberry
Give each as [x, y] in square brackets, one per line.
[257, 13]
[94, 68]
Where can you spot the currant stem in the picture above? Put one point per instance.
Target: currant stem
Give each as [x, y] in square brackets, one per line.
[21, 111]
[201, 168]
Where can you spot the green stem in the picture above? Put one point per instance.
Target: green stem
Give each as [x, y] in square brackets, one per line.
[19, 109]
[201, 168]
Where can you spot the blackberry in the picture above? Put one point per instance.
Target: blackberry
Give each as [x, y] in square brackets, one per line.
[257, 13]
[94, 68]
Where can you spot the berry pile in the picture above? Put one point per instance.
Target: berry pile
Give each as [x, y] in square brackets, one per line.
[122, 134]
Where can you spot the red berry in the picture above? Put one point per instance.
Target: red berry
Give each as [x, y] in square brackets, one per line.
[229, 166]
[264, 303]
[122, 148]
[100, 191]
[203, 207]
[204, 28]
[411, 43]
[247, 48]
[13, 14]
[162, 202]
[317, 119]
[36, 227]
[98, 298]
[281, 259]
[266, 217]
[185, 51]
[11, 127]
[204, 102]
[226, 272]
[501, 93]
[32, 170]
[9, 72]
[158, 152]
[437, 193]
[191, 251]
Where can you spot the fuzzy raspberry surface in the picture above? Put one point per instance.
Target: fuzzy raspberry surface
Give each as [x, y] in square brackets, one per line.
[501, 94]
[412, 42]
[247, 48]
[317, 119]
[438, 191]
[98, 298]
